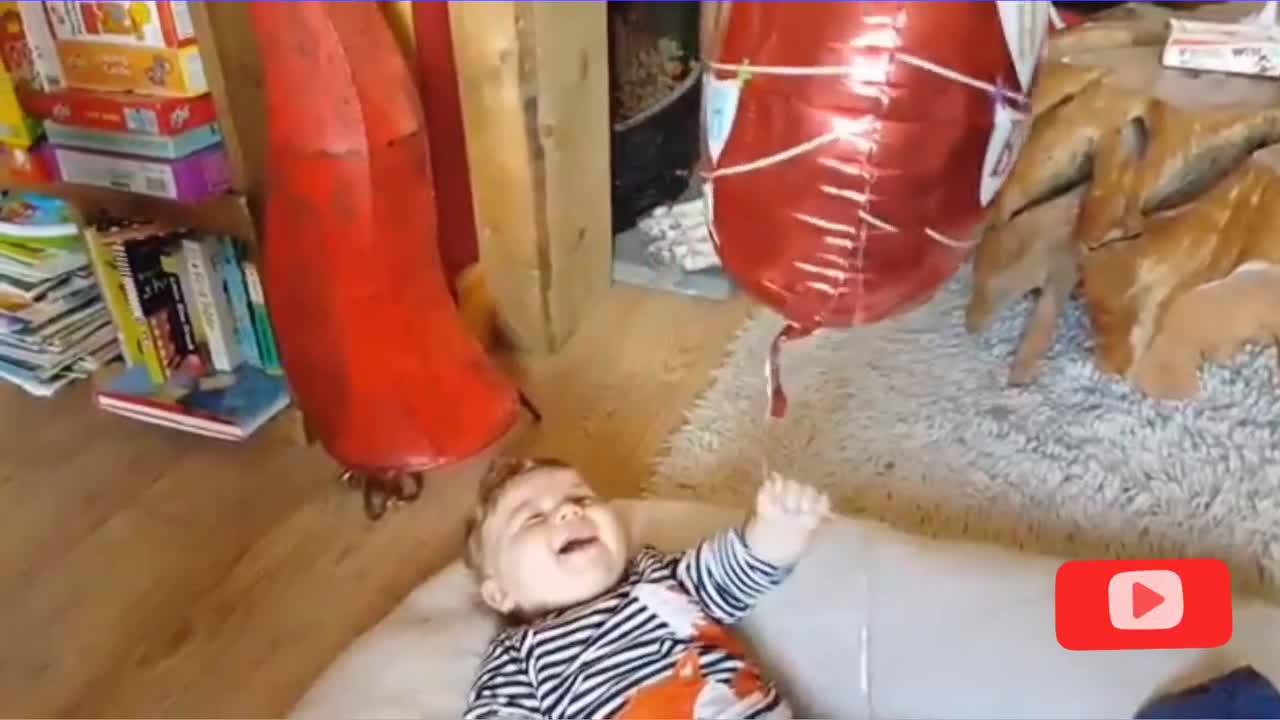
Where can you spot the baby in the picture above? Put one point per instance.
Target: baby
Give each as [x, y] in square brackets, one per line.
[599, 631]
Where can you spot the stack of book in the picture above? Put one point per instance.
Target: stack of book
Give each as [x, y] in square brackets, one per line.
[193, 327]
[54, 326]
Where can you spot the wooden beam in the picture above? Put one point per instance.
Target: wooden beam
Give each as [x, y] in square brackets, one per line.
[399, 16]
[221, 215]
[533, 78]
[233, 65]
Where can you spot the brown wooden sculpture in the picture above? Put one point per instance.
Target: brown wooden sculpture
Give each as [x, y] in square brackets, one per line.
[1032, 251]
[1130, 283]
[1213, 323]
[1164, 158]
[1134, 24]
[1057, 82]
[1058, 154]
[1134, 178]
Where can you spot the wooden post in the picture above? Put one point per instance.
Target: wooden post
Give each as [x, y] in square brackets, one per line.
[234, 68]
[533, 79]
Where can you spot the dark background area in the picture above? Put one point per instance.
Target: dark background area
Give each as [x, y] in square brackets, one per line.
[1086, 8]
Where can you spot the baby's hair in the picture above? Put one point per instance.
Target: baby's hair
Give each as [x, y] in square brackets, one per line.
[496, 478]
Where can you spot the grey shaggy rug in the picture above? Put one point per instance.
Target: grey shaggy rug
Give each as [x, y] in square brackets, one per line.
[911, 422]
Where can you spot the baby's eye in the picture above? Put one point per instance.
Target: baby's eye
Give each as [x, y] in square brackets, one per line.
[534, 519]
[585, 500]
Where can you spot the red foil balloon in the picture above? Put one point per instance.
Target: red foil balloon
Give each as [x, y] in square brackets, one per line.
[387, 377]
[851, 147]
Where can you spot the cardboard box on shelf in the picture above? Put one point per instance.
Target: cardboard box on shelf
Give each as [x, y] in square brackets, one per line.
[119, 68]
[165, 147]
[193, 178]
[27, 46]
[162, 24]
[17, 128]
[24, 166]
[122, 112]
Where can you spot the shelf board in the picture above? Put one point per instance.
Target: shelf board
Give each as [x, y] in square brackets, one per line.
[224, 215]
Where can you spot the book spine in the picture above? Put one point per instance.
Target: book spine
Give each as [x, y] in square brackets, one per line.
[262, 319]
[211, 303]
[157, 293]
[150, 351]
[112, 288]
[187, 339]
[238, 296]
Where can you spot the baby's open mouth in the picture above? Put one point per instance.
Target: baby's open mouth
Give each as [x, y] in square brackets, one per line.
[575, 544]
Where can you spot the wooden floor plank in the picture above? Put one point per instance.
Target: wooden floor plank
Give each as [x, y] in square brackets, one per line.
[254, 618]
[142, 568]
[65, 501]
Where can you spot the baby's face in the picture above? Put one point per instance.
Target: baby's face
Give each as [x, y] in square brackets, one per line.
[550, 543]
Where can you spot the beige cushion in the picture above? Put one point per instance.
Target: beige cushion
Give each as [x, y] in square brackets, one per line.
[952, 630]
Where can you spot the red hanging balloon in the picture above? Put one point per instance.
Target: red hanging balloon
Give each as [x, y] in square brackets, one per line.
[387, 377]
[851, 148]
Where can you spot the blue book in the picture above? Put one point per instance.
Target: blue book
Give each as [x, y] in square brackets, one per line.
[231, 406]
[238, 297]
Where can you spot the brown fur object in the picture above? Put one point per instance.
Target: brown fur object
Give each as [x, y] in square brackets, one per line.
[1134, 24]
[1058, 82]
[1058, 154]
[1128, 285]
[1107, 213]
[478, 308]
[1074, 102]
[1190, 151]
[1213, 322]
[1032, 251]
[1164, 158]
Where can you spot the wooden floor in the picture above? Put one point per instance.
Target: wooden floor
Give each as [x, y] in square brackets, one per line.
[146, 573]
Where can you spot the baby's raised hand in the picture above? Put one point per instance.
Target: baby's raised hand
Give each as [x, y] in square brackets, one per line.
[787, 512]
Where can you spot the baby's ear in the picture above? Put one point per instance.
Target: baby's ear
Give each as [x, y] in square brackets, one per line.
[495, 597]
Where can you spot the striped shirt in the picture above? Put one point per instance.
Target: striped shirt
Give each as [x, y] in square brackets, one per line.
[654, 646]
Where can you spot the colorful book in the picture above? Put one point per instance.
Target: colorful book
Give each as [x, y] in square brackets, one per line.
[261, 319]
[174, 264]
[238, 295]
[135, 343]
[112, 286]
[229, 406]
[28, 215]
[212, 304]
[151, 292]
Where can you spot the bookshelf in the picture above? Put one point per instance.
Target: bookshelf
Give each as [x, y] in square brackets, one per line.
[225, 215]
[141, 250]
[231, 63]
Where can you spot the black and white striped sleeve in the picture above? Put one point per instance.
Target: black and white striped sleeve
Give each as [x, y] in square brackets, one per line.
[502, 689]
[725, 577]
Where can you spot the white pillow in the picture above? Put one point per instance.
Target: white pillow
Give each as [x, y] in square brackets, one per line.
[949, 629]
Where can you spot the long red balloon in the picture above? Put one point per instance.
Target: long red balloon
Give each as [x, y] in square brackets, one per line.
[385, 374]
[438, 80]
[854, 145]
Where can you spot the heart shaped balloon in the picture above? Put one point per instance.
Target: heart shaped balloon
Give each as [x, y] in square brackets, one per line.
[850, 148]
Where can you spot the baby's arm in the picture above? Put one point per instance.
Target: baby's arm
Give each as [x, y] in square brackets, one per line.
[502, 689]
[731, 571]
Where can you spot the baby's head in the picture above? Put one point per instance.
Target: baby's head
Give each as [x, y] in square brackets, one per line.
[540, 539]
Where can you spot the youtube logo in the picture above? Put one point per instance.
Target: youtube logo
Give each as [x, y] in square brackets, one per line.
[1145, 600]
[1143, 604]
